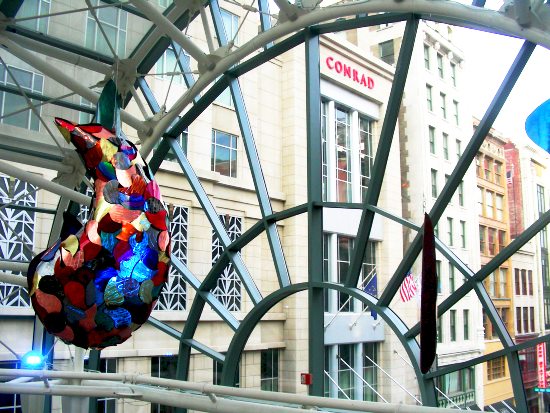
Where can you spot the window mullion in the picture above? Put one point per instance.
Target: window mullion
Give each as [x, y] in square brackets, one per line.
[331, 153]
[355, 157]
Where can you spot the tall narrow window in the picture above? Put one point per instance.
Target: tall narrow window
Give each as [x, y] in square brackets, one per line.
[532, 319]
[456, 113]
[387, 53]
[499, 207]
[489, 204]
[224, 153]
[443, 98]
[427, 57]
[503, 282]
[530, 281]
[466, 323]
[217, 369]
[453, 73]
[501, 239]
[370, 356]
[518, 321]
[22, 116]
[498, 172]
[480, 201]
[463, 234]
[228, 287]
[445, 146]
[525, 319]
[231, 25]
[438, 272]
[345, 245]
[324, 129]
[343, 155]
[492, 235]
[517, 281]
[461, 193]
[173, 296]
[458, 145]
[482, 239]
[440, 66]
[167, 67]
[439, 330]
[163, 367]
[366, 152]
[452, 325]
[434, 183]
[450, 231]
[346, 377]
[113, 22]
[269, 370]
[31, 8]
[451, 278]
[429, 99]
[492, 286]
[431, 137]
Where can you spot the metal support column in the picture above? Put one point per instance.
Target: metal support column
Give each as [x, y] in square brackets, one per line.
[315, 214]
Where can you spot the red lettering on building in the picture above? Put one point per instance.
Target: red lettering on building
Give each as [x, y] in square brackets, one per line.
[349, 72]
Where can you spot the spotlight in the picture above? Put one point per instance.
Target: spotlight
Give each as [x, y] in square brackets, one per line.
[32, 360]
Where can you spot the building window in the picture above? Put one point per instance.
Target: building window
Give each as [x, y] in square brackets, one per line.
[453, 73]
[174, 295]
[492, 235]
[438, 272]
[461, 193]
[451, 278]
[342, 126]
[443, 105]
[427, 57]
[540, 200]
[387, 53]
[434, 183]
[501, 240]
[517, 279]
[431, 137]
[104, 405]
[532, 319]
[31, 8]
[452, 325]
[231, 25]
[113, 22]
[439, 331]
[324, 128]
[217, 369]
[22, 116]
[450, 231]
[466, 323]
[458, 145]
[525, 319]
[463, 234]
[228, 287]
[17, 230]
[440, 65]
[489, 204]
[224, 153]
[456, 112]
[498, 172]
[480, 201]
[269, 370]
[496, 368]
[167, 67]
[518, 320]
[530, 281]
[346, 377]
[370, 356]
[488, 168]
[164, 367]
[366, 154]
[482, 239]
[445, 146]
[345, 246]
[502, 282]
[499, 205]
[429, 99]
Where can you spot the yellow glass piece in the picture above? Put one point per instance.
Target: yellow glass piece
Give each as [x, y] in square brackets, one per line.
[163, 258]
[35, 281]
[108, 150]
[102, 208]
[66, 134]
[71, 244]
[141, 223]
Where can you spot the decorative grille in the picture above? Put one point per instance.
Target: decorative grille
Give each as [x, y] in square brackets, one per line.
[174, 295]
[228, 287]
[16, 234]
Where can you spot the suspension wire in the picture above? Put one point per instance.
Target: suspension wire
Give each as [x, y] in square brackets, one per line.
[10, 350]
[38, 105]
[175, 66]
[361, 378]
[30, 104]
[242, 21]
[336, 384]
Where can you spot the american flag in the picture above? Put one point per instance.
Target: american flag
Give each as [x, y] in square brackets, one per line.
[509, 177]
[408, 288]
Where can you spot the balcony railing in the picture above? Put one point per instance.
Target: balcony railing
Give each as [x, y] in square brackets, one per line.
[461, 399]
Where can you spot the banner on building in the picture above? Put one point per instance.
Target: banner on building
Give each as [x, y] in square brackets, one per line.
[541, 365]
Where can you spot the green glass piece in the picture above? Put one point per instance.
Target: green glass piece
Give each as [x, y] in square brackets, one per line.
[108, 107]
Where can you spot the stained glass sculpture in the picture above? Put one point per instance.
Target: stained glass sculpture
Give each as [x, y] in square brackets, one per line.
[98, 283]
[537, 126]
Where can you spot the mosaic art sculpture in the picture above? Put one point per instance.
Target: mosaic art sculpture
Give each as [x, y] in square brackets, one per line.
[99, 283]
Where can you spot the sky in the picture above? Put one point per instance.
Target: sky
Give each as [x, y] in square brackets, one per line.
[488, 58]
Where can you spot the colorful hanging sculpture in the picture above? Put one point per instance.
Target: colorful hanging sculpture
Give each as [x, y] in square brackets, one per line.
[99, 283]
[537, 126]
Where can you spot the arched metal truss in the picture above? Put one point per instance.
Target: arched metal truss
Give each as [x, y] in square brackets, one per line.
[220, 67]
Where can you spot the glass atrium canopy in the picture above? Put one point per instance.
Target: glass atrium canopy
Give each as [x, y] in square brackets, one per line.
[129, 49]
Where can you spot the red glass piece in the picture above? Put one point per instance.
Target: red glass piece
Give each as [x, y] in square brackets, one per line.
[157, 220]
[76, 294]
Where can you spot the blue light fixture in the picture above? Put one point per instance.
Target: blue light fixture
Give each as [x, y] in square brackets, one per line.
[32, 360]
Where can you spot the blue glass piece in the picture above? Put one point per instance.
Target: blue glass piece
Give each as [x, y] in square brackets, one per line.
[121, 317]
[108, 241]
[537, 126]
[151, 258]
[138, 247]
[142, 273]
[128, 287]
[74, 314]
[98, 298]
[103, 277]
[127, 266]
